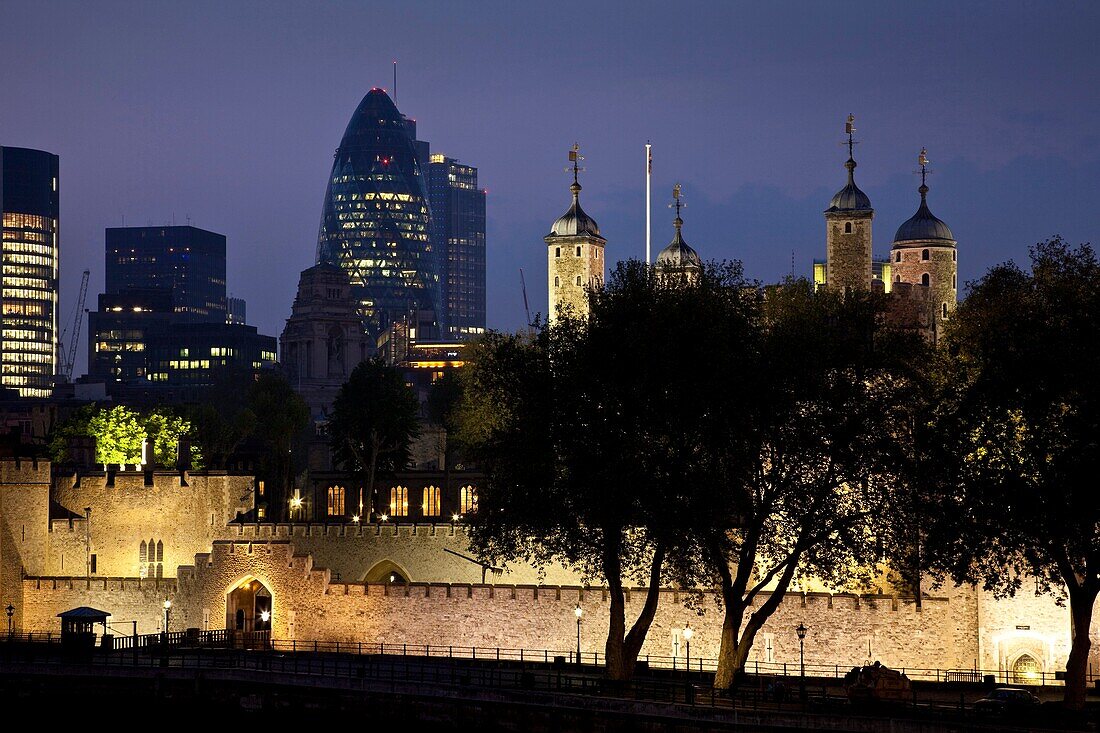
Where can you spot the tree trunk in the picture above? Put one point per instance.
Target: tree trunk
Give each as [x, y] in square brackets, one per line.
[728, 661]
[1081, 602]
[636, 637]
[616, 626]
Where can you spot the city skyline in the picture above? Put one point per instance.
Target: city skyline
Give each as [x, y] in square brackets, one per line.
[237, 137]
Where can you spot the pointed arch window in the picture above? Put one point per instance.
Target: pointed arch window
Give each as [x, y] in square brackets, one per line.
[399, 501]
[336, 501]
[467, 499]
[430, 505]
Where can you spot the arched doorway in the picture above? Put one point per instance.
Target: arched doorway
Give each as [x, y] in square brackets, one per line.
[1026, 670]
[248, 607]
[387, 571]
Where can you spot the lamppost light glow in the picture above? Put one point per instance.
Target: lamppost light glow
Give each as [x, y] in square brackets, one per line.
[265, 616]
[688, 632]
[801, 630]
[454, 517]
[167, 604]
[355, 518]
[384, 517]
[579, 611]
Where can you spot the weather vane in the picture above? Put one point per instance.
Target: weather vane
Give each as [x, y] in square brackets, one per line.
[922, 161]
[575, 158]
[850, 131]
[677, 203]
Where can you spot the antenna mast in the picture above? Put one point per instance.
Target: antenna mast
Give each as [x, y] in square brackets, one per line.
[523, 287]
[648, 176]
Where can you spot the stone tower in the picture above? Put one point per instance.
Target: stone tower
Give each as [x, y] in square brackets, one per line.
[924, 253]
[848, 230]
[574, 251]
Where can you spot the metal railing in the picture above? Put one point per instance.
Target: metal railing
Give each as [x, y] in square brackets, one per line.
[260, 640]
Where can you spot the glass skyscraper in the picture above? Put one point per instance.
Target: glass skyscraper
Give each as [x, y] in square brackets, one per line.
[376, 222]
[458, 229]
[29, 212]
[186, 261]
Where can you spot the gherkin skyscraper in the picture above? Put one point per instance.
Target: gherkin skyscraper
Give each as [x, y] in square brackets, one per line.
[376, 221]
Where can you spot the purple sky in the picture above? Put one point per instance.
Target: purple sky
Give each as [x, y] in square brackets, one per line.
[228, 112]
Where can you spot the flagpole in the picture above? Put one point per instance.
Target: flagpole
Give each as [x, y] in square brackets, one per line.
[648, 175]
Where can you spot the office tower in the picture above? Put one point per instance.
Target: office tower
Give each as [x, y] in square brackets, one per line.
[458, 231]
[29, 212]
[375, 222]
[188, 261]
[235, 310]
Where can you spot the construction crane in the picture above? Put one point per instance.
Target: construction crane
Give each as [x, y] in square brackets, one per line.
[70, 353]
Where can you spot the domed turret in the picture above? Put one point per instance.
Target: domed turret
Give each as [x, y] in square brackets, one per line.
[575, 254]
[575, 222]
[849, 198]
[924, 253]
[678, 255]
[848, 230]
[923, 225]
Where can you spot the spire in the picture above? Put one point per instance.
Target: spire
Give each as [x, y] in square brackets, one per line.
[923, 226]
[575, 222]
[850, 130]
[678, 255]
[850, 198]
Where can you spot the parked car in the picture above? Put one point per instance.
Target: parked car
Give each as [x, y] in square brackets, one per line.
[1006, 700]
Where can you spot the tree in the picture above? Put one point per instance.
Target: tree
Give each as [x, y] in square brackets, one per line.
[222, 421]
[588, 433]
[164, 429]
[1025, 437]
[794, 479]
[118, 435]
[281, 416]
[374, 422]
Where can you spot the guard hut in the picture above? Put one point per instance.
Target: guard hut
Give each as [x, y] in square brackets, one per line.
[78, 628]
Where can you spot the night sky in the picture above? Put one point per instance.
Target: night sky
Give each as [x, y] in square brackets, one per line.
[229, 112]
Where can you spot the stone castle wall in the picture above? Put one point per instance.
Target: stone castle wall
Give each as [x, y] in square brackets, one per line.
[848, 254]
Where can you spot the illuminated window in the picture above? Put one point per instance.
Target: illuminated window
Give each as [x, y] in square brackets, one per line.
[430, 505]
[924, 279]
[399, 501]
[335, 501]
[924, 255]
[467, 496]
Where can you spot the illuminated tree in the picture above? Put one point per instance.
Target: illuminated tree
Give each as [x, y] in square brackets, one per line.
[1024, 434]
[165, 430]
[118, 434]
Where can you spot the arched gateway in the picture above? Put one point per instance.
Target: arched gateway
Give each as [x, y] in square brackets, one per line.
[248, 607]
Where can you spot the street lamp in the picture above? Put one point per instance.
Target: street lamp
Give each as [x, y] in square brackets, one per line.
[801, 631]
[580, 612]
[688, 633]
[167, 613]
[11, 610]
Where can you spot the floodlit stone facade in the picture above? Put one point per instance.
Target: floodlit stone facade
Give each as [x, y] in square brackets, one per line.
[328, 582]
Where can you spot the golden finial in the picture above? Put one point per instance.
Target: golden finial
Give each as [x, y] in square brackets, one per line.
[677, 203]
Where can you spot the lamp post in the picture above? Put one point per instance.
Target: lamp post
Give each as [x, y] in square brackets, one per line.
[11, 610]
[579, 612]
[688, 633]
[167, 613]
[801, 631]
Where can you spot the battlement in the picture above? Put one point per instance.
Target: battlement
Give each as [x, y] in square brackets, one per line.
[289, 530]
[16, 470]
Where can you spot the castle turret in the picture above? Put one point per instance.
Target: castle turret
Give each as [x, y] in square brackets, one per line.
[678, 258]
[574, 251]
[848, 230]
[924, 252]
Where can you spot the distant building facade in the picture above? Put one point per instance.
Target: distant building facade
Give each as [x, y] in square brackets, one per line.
[164, 328]
[185, 260]
[458, 232]
[29, 213]
[323, 340]
[376, 221]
